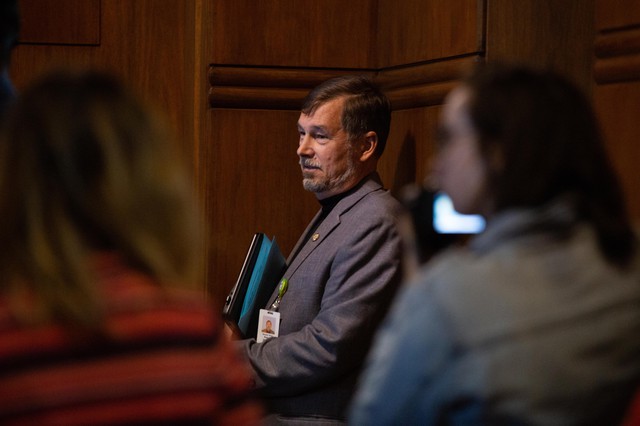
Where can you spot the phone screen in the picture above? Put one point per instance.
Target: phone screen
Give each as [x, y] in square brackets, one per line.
[446, 220]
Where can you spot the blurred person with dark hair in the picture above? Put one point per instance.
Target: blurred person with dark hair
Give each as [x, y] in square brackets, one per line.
[346, 266]
[537, 320]
[100, 235]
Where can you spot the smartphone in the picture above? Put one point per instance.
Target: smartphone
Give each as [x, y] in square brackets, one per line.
[436, 223]
[446, 220]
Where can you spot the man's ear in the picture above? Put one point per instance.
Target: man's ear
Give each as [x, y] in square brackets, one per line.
[368, 145]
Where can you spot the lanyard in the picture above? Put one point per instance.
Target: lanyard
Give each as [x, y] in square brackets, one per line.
[284, 284]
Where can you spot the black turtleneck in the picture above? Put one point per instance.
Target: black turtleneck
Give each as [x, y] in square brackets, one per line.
[327, 205]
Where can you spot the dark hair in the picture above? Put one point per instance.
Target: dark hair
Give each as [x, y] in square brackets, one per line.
[546, 137]
[366, 108]
[85, 167]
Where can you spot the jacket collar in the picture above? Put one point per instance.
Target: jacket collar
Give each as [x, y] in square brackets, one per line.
[304, 248]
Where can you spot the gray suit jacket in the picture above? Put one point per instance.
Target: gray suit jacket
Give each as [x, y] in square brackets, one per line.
[340, 287]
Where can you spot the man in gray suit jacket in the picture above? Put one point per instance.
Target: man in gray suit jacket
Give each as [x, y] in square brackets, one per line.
[344, 270]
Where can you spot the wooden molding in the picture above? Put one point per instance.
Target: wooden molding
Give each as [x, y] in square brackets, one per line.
[265, 88]
[284, 88]
[283, 98]
[617, 56]
[424, 84]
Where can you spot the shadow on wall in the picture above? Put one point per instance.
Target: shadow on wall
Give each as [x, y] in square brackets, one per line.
[405, 166]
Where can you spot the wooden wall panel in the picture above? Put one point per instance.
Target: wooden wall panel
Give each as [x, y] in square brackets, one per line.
[419, 48]
[410, 147]
[414, 31]
[149, 43]
[423, 84]
[265, 88]
[617, 91]
[617, 14]
[617, 56]
[230, 75]
[284, 89]
[66, 21]
[294, 33]
[155, 46]
[254, 185]
[545, 33]
[618, 108]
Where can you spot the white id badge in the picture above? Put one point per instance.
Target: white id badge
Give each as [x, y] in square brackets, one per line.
[268, 325]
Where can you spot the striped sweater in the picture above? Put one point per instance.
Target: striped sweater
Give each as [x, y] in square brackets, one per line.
[162, 359]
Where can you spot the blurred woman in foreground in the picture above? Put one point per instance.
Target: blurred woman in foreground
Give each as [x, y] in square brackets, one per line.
[537, 320]
[99, 231]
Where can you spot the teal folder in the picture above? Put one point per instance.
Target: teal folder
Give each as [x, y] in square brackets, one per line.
[261, 271]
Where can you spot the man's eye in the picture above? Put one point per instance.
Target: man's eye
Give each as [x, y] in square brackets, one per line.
[321, 136]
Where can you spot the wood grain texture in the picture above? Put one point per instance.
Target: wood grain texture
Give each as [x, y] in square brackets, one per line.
[617, 43]
[617, 56]
[412, 31]
[617, 69]
[617, 106]
[294, 33]
[284, 88]
[230, 74]
[255, 185]
[410, 147]
[152, 45]
[423, 84]
[544, 33]
[617, 92]
[425, 73]
[222, 75]
[148, 43]
[617, 14]
[266, 88]
[74, 22]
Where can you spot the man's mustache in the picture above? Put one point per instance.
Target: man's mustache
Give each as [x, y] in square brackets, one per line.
[306, 163]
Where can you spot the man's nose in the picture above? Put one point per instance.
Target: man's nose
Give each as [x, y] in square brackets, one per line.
[304, 147]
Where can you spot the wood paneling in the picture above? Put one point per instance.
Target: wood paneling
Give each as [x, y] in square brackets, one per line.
[618, 108]
[422, 84]
[410, 147]
[74, 22]
[362, 34]
[617, 14]
[294, 33]
[285, 88]
[254, 185]
[155, 46]
[617, 93]
[149, 43]
[230, 75]
[544, 33]
[290, 47]
[265, 88]
[617, 56]
[413, 31]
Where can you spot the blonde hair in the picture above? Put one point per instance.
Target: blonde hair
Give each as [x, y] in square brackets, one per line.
[86, 168]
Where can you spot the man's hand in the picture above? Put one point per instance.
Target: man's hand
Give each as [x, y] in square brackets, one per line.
[230, 333]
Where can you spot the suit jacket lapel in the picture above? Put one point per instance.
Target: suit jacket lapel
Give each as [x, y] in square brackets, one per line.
[331, 222]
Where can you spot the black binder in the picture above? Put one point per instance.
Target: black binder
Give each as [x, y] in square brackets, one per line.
[261, 271]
